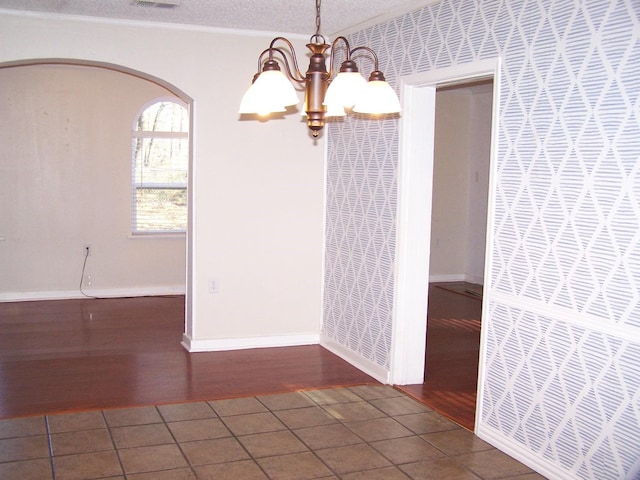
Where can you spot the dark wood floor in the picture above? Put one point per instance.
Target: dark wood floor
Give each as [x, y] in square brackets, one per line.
[83, 354]
[71, 355]
[451, 364]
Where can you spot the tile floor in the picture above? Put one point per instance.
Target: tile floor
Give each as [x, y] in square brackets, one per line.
[368, 432]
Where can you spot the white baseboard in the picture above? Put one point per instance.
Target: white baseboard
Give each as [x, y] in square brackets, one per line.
[523, 455]
[223, 344]
[456, 277]
[367, 366]
[99, 293]
[474, 279]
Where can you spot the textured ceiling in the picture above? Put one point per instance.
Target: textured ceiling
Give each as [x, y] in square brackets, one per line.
[287, 16]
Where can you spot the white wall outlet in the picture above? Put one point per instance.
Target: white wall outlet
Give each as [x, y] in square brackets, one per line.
[214, 287]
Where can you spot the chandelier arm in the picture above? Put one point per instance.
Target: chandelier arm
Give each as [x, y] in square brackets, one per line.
[332, 58]
[298, 77]
[373, 54]
[260, 57]
[287, 66]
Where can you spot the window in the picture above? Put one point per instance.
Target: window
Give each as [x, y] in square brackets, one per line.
[160, 164]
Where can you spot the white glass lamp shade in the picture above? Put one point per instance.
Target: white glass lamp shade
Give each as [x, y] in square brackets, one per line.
[377, 99]
[343, 92]
[276, 84]
[255, 103]
[271, 92]
[335, 110]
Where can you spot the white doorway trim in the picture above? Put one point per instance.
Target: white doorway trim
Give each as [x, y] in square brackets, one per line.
[413, 225]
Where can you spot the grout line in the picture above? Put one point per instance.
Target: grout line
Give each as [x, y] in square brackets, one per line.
[50, 443]
[113, 443]
[175, 440]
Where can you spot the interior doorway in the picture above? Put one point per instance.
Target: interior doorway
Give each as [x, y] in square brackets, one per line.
[416, 177]
[458, 230]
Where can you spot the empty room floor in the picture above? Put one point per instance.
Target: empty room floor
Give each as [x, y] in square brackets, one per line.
[316, 417]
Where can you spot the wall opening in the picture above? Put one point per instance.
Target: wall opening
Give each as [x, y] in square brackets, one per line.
[415, 190]
[159, 84]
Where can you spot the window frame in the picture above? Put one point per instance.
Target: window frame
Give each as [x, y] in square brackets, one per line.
[136, 135]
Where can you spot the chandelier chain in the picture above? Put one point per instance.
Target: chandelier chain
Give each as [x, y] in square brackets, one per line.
[318, 18]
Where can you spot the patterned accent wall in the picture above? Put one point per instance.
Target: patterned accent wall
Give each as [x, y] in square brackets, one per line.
[562, 365]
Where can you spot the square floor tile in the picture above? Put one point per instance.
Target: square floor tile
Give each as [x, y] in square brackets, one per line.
[186, 411]
[242, 470]
[387, 473]
[286, 401]
[22, 427]
[437, 469]
[253, 423]
[406, 449]
[430, 422]
[371, 392]
[352, 412]
[123, 417]
[86, 466]
[178, 474]
[24, 448]
[492, 464]
[297, 466]
[456, 442]
[326, 436]
[191, 430]
[352, 458]
[83, 441]
[272, 443]
[528, 476]
[38, 469]
[218, 450]
[151, 459]
[305, 417]
[378, 429]
[73, 422]
[141, 435]
[237, 406]
[332, 395]
[399, 406]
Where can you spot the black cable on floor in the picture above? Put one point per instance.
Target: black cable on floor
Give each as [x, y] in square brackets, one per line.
[84, 266]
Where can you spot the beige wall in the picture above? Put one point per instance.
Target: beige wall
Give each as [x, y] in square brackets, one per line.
[460, 183]
[65, 150]
[257, 187]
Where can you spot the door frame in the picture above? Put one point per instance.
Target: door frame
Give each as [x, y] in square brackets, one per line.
[413, 221]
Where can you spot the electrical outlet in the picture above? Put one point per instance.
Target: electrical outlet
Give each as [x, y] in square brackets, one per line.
[86, 250]
[213, 286]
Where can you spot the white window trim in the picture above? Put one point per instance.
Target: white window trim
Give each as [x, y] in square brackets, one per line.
[137, 185]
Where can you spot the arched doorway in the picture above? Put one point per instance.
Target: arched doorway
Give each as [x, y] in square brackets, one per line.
[70, 148]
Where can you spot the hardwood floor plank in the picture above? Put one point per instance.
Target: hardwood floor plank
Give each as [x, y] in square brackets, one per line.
[451, 363]
[71, 355]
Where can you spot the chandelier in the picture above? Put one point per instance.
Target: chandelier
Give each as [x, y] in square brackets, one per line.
[325, 95]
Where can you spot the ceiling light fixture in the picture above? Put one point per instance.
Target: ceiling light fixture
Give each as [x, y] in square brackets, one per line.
[272, 92]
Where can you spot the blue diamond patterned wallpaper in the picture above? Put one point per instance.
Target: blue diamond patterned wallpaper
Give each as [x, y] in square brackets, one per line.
[562, 366]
